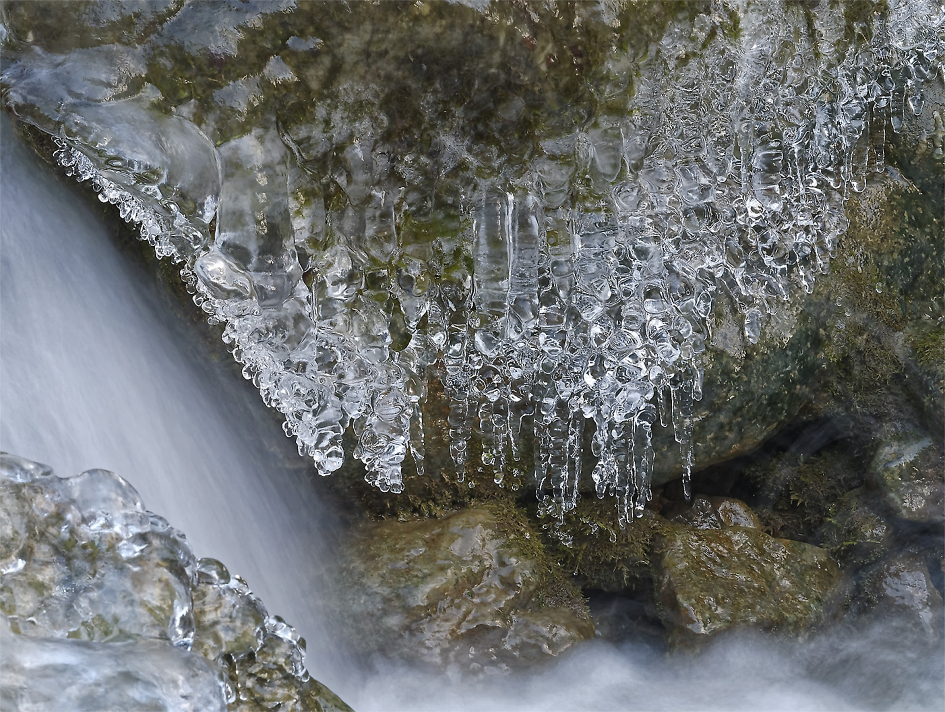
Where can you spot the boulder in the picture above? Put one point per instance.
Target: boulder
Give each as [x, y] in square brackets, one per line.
[471, 592]
[910, 472]
[714, 580]
[902, 588]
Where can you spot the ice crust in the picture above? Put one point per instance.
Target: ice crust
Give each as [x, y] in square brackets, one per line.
[105, 607]
[571, 278]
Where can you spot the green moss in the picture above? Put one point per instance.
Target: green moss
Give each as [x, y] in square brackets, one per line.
[810, 489]
[600, 553]
[929, 347]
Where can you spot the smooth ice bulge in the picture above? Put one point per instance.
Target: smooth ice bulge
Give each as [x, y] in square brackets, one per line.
[546, 206]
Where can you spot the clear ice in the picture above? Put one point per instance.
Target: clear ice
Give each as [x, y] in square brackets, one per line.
[557, 262]
[105, 607]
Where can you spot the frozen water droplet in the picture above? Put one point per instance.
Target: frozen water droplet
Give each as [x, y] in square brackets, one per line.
[753, 326]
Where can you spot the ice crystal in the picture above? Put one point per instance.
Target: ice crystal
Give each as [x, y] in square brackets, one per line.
[558, 259]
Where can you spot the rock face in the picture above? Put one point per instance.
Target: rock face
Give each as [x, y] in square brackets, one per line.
[901, 587]
[471, 592]
[105, 607]
[909, 471]
[713, 580]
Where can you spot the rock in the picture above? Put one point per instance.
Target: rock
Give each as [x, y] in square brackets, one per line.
[714, 580]
[472, 592]
[909, 471]
[714, 513]
[858, 533]
[901, 587]
[90, 579]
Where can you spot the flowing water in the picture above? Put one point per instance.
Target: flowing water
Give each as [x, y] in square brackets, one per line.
[96, 372]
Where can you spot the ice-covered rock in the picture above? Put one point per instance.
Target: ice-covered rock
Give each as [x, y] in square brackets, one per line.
[106, 607]
[548, 202]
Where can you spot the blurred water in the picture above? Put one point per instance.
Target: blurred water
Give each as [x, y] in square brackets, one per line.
[96, 372]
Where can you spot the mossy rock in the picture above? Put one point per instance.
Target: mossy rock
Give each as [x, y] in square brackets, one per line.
[711, 581]
[858, 533]
[910, 472]
[472, 592]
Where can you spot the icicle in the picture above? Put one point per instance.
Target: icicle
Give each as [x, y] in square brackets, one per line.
[582, 283]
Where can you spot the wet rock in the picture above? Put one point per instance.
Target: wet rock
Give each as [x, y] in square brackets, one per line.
[715, 580]
[901, 587]
[714, 513]
[471, 592]
[910, 472]
[858, 533]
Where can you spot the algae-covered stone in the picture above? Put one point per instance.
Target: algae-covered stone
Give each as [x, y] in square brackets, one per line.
[710, 581]
[909, 470]
[471, 591]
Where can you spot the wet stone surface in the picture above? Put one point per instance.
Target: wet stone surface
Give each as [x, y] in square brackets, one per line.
[910, 471]
[471, 592]
[711, 581]
[901, 587]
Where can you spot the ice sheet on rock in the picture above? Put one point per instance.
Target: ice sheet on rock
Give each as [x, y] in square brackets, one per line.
[105, 607]
[560, 268]
[81, 676]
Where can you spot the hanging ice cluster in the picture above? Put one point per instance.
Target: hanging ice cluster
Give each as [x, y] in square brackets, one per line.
[555, 251]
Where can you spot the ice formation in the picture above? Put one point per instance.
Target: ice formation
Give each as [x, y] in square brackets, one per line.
[105, 607]
[545, 202]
